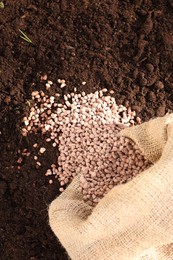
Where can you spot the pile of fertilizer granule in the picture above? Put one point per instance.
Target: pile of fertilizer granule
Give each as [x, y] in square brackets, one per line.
[84, 129]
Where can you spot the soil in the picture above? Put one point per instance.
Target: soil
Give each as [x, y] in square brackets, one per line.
[126, 46]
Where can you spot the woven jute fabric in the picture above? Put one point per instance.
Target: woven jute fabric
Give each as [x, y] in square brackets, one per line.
[134, 220]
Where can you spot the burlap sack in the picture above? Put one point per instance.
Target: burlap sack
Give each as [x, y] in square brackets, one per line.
[134, 220]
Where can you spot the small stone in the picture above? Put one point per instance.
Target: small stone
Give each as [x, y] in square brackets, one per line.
[20, 160]
[50, 82]
[38, 163]
[62, 85]
[47, 86]
[138, 120]
[42, 150]
[49, 172]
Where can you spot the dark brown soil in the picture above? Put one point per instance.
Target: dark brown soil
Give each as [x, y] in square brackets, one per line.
[122, 45]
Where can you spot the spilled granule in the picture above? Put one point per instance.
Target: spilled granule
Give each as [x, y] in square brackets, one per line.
[84, 129]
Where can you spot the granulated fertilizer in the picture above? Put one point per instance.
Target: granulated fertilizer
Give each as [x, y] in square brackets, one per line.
[85, 128]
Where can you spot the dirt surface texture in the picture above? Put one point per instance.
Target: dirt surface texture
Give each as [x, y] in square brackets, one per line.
[126, 46]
